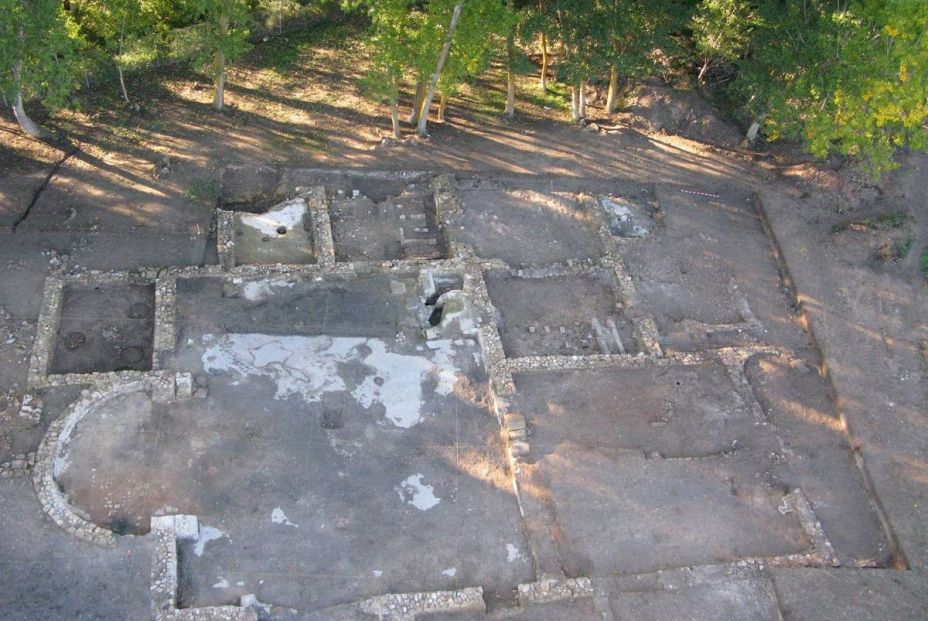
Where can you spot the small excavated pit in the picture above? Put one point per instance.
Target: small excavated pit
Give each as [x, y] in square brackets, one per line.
[564, 315]
[282, 234]
[401, 226]
[104, 328]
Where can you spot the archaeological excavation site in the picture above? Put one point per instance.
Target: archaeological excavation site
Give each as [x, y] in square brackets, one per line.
[409, 395]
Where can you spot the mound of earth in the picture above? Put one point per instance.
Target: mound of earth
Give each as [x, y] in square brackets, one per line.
[656, 107]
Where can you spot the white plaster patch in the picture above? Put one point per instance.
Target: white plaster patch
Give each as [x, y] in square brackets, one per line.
[279, 517]
[207, 534]
[512, 553]
[257, 290]
[288, 214]
[377, 573]
[622, 217]
[418, 494]
[308, 366]
[222, 584]
[451, 571]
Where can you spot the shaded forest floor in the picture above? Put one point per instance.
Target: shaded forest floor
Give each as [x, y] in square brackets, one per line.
[298, 99]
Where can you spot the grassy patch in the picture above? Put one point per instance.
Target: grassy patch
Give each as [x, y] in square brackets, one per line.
[923, 262]
[290, 141]
[204, 191]
[557, 97]
[902, 247]
[883, 222]
[286, 53]
[892, 251]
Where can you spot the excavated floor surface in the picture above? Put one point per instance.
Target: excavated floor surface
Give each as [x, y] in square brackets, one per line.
[349, 429]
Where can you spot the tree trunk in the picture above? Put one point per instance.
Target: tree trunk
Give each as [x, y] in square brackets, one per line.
[29, 126]
[510, 110]
[544, 63]
[575, 104]
[612, 99]
[582, 101]
[702, 72]
[122, 84]
[394, 105]
[219, 99]
[442, 103]
[422, 128]
[753, 130]
[417, 102]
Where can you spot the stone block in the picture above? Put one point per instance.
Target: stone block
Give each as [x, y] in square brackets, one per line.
[519, 449]
[184, 385]
[514, 422]
[186, 527]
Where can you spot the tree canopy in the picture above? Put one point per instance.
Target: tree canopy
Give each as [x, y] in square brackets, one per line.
[846, 77]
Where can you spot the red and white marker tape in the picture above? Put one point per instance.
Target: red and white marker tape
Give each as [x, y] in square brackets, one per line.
[701, 193]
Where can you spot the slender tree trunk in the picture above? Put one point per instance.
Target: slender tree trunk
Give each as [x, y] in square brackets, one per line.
[544, 63]
[582, 101]
[753, 130]
[122, 79]
[702, 72]
[219, 99]
[510, 110]
[122, 84]
[422, 128]
[394, 105]
[417, 102]
[575, 104]
[612, 99]
[29, 126]
[442, 104]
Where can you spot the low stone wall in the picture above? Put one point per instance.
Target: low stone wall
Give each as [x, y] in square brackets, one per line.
[166, 532]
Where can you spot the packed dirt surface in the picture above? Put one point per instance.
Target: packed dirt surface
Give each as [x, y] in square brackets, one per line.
[272, 364]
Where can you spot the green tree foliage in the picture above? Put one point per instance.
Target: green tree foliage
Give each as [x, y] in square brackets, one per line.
[845, 78]
[276, 12]
[394, 27]
[630, 32]
[221, 37]
[36, 52]
[129, 31]
[536, 21]
[416, 40]
[722, 31]
[481, 33]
